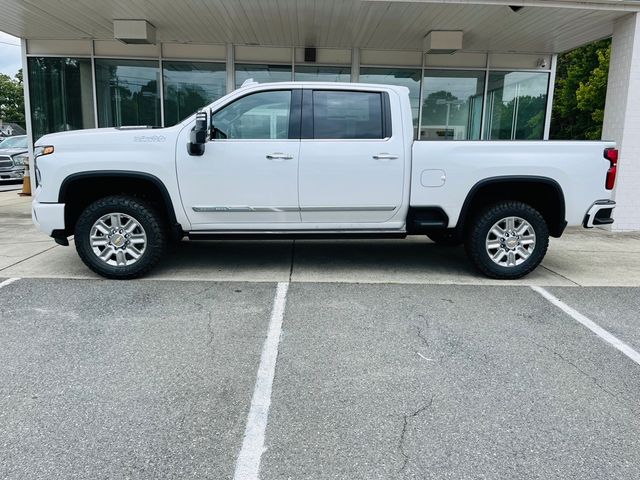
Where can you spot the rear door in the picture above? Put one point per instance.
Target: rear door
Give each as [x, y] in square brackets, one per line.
[351, 166]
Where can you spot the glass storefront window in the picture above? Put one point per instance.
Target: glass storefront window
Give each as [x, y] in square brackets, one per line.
[516, 105]
[405, 77]
[312, 73]
[262, 73]
[128, 92]
[189, 86]
[452, 104]
[61, 94]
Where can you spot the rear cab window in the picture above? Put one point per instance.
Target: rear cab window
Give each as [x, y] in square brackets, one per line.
[346, 115]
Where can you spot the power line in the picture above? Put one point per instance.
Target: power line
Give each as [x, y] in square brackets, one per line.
[12, 44]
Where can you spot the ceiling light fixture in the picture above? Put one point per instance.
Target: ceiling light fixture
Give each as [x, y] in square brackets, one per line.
[442, 41]
[134, 32]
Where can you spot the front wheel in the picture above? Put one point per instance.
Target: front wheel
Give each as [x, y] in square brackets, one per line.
[507, 240]
[120, 237]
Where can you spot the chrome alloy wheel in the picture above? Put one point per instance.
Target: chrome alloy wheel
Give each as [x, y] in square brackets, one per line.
[118, 239]
[510, 242]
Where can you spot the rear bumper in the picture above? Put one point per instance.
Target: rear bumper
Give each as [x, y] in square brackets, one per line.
[600, 213]
[48, 217]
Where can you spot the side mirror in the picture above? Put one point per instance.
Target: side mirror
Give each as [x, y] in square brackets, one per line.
[199, 134]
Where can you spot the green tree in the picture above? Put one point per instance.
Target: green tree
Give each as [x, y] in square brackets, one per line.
[12, 99]
[580, 92]
[591, 94]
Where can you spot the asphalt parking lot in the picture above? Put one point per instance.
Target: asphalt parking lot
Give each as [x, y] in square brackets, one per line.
[318, 360]
[155, 379]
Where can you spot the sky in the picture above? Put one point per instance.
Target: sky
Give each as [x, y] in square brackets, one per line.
[10, 56]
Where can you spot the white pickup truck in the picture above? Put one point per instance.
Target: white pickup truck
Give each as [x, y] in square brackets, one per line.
[313, 160]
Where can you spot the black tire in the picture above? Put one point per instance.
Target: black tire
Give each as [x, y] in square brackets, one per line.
[477, 236]
[445, 238]
[144, 214]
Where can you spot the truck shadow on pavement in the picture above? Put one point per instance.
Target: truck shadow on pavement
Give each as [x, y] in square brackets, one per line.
[315, 260]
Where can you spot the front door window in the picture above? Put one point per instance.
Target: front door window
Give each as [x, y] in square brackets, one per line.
[263, 115]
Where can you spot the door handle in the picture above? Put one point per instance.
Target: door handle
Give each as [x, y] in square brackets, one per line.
[385, 156]
[279, 156]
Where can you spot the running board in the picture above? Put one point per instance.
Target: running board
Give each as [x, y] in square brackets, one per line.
[294, 234]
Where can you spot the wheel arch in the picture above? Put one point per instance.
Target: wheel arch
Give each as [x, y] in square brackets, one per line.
[78, 190]
[542, 193]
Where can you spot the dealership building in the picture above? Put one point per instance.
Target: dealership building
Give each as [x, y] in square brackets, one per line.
[475, 70]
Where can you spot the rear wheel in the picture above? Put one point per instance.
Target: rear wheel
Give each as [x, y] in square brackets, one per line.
[507, 240]
[120, 237]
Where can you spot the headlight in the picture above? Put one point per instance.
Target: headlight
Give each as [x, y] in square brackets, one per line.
[22, 159]
[42, 150]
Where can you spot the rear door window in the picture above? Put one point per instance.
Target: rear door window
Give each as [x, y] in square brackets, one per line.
[348, 115]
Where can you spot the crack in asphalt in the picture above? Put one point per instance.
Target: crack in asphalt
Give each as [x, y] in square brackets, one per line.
[196, 302]
[210, 330]
[615, 396]
[405, 423]
[200, 292]
[421, 335]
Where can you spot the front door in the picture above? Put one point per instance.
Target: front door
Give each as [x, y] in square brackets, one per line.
[249, 173]
[351, 161]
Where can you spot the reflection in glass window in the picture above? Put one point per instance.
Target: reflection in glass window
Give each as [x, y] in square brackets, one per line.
[516, 105]
[262, 115]
[347, 115]
[312, 73]
[262, 73]
[405, 77]
[127, 92]
[17, 141]
[61, 94]
[189, 86]
[452, 105]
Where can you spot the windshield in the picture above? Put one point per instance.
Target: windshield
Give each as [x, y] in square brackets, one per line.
[14, 142]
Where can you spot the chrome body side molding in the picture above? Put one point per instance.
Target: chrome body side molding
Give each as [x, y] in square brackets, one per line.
[235, 209]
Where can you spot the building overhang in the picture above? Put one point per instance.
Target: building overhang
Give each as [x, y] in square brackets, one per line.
[615, 5]
[549, 26]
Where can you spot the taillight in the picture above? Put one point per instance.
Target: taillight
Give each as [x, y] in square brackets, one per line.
[611, 154]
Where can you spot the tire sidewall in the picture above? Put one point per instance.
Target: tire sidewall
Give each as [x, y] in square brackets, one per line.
[142, 213]
[476, 243]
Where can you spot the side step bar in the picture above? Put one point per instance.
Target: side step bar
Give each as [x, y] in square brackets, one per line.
[294, 234]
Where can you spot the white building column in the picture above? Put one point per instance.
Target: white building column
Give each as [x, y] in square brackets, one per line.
[622, 119]
[27, 112]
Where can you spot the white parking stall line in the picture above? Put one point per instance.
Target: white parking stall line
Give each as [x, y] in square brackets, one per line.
[9, 281]
[248, 463]
[594, 327]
